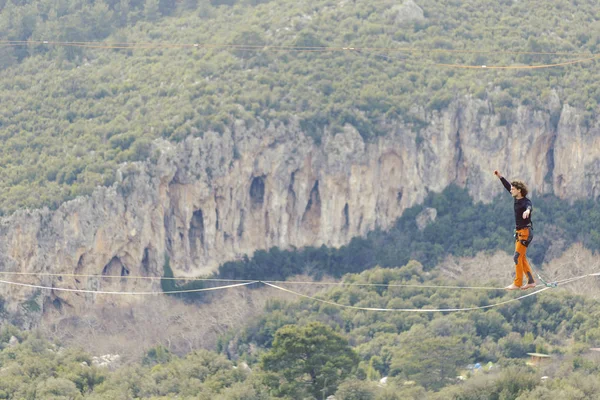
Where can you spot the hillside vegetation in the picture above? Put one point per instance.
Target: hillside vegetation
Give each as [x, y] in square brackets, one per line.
[306, 349]
[71, 114]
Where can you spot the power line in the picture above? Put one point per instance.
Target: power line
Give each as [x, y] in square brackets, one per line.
[41, 274]
[59, 289]
[119, 276]
[390, 285]
[314, 283]
[266, 47]
[270, 284]
[322, 49]
[520, 66]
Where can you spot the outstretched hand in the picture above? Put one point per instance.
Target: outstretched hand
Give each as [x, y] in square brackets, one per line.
[497, 173]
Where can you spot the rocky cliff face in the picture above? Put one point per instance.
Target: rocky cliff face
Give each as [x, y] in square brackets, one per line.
[212, 199]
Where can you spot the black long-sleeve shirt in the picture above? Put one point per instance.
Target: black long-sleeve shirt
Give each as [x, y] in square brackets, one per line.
[521, 205]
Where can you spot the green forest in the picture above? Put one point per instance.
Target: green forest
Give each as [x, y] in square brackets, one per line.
[86, 85]
[310, 350]
[71, 114]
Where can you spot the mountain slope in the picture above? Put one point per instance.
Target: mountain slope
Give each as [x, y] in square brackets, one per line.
[71, 114]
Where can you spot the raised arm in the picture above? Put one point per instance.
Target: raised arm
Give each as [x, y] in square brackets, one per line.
[504, 181]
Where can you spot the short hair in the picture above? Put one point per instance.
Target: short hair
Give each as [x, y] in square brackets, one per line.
[521, 186]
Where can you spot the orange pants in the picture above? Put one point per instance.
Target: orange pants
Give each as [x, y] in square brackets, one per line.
[521, 264]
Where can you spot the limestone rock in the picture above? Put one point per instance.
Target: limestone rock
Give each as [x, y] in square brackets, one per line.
[409, 11]
[110, 361]
[13, 341]
[426, 217]
[216, 198]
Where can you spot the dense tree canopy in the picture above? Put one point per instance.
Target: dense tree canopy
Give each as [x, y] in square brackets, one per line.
[307, 349]
[312, 359]
[72, 113]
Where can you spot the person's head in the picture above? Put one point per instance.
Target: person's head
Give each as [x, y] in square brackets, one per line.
[518, 187]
